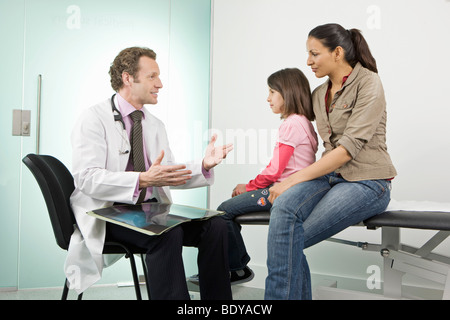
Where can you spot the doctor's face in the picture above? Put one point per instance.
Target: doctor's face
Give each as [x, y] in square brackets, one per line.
[145, 87]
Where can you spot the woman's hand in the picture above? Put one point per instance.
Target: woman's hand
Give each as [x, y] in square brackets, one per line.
[276, 190]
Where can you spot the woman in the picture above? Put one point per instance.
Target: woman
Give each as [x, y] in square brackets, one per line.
[351, 182]
[296, 147]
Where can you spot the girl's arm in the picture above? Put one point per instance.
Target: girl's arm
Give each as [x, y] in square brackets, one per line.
[273, 171]
[327, 164]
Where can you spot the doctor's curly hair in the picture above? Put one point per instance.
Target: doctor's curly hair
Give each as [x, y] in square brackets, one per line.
[128, 61]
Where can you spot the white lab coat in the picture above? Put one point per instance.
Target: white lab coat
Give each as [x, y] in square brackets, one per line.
[99, 161]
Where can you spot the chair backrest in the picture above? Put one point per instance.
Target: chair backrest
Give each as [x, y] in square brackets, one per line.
[56, 184]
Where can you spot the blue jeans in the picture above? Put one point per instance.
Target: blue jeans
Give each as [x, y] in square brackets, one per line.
[308, 213]
[251, 201]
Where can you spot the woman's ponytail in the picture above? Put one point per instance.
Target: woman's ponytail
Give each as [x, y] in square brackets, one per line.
[362, 51]
[352, 41]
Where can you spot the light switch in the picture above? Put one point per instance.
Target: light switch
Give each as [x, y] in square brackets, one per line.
[21, 123]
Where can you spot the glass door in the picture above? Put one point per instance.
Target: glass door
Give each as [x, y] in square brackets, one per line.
[69, 46]
[11, 57]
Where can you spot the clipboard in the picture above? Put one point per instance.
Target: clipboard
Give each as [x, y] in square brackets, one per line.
[152, 218]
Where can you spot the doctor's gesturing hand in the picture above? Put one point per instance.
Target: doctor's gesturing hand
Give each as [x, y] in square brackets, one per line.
[215, 155]
[161, 176]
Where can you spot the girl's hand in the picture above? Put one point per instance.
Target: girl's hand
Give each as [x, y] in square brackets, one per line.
[239, 189]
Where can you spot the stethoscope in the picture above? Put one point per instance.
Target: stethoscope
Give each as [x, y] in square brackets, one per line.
[118, 117]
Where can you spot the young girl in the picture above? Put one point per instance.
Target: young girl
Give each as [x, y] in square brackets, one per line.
[289, 96]
[351, 182]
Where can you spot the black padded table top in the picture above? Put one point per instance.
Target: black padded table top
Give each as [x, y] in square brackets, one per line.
[254, 218]
[432, 220]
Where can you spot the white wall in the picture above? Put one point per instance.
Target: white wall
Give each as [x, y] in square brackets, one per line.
[409, 39]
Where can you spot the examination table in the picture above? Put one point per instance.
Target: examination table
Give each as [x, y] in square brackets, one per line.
[399, 259]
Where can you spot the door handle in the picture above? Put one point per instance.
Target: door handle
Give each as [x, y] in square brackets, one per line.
[38, 114]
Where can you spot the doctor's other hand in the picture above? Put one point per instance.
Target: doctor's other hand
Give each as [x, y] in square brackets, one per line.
[162, 176]
[214, 155]
[239, 189]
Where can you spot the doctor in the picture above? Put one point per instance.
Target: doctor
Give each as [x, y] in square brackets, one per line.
[104, 174]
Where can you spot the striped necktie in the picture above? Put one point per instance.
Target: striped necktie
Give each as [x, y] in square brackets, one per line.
[137, 147]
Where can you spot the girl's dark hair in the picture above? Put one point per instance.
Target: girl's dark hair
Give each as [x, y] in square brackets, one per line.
[356, 49]
[294, 87]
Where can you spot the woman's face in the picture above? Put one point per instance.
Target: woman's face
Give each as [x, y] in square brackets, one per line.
[276, 101]
[320, 59]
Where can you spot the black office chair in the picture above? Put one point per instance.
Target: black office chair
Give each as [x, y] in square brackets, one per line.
[56, 183]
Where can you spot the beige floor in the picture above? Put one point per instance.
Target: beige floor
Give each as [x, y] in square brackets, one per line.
[113, 292]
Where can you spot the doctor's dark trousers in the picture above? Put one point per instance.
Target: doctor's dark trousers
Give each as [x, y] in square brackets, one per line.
[164, 259]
